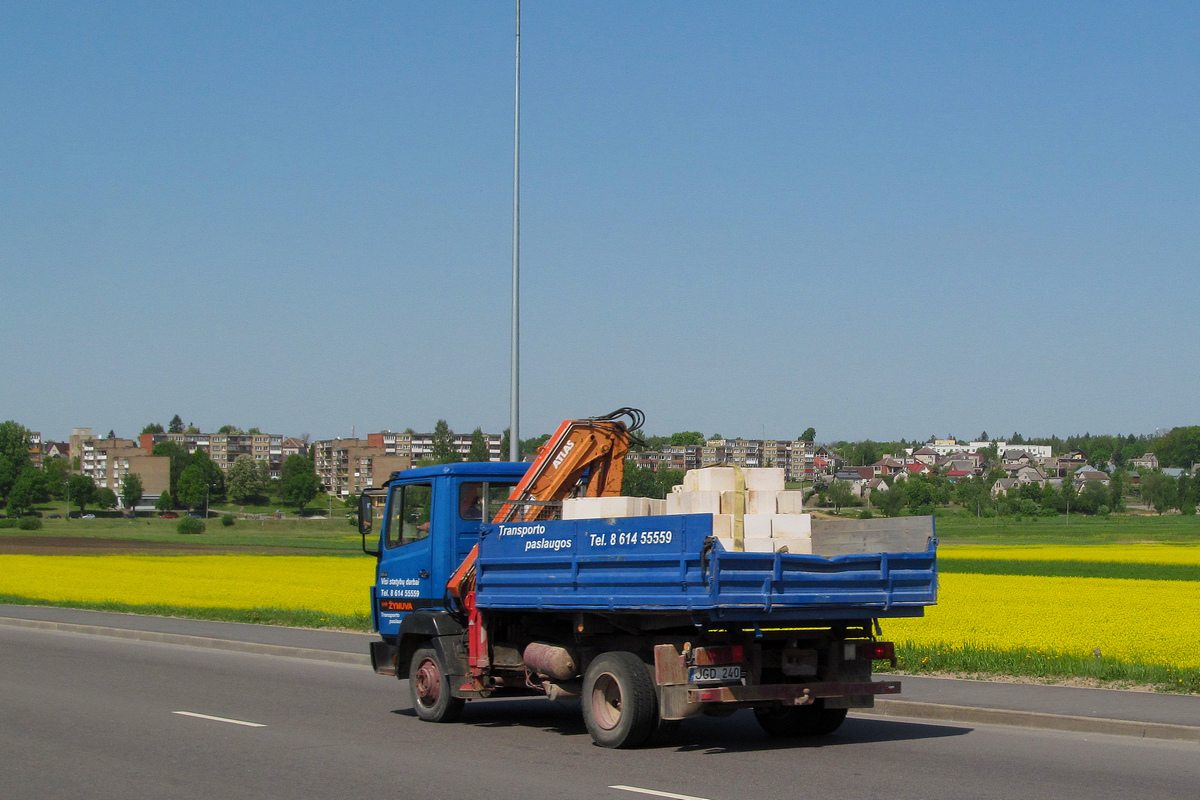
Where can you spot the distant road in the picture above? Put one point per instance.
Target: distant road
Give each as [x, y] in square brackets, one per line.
[94, 717]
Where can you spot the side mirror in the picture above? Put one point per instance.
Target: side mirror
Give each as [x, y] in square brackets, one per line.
[366, 520]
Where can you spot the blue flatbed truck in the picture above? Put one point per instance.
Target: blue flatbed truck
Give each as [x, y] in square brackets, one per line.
[647, 620]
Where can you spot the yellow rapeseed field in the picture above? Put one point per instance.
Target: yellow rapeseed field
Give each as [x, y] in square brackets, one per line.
[330, 584]
[1148, 621]
[1187, 554]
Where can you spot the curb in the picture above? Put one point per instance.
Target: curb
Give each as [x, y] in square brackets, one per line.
[1032, 719]
[332, 656]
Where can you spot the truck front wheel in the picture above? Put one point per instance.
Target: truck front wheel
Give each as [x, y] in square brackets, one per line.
[430, 690]
[619, 704]
[790, 721]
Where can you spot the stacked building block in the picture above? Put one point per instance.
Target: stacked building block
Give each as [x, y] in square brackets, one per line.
[750, 508]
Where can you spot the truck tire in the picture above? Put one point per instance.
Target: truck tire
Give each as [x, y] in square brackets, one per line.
[791, 721]
[619, 705]
[430, 690]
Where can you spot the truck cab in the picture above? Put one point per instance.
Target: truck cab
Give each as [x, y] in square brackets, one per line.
[429, 518]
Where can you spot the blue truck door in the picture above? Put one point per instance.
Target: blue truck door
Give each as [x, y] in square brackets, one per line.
[406, 581]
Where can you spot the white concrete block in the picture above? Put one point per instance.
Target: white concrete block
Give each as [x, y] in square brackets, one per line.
[757, 526]
[789, 502]
[723, 527]
[758, 544]
[727, 543]
[677, 488]
[702, 502]
[627, 506]
[761, 501]
[570, 508]
[675, 503]
[657, 507]
[714, 479]
[689, 481]
[605, 507]
[797, 545]
[728, 501]
[766, 479]
[791, 526]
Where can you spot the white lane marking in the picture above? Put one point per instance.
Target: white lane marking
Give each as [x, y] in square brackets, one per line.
[657, 793]
[220, 719]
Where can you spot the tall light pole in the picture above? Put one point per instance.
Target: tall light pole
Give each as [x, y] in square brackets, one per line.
[514, 434]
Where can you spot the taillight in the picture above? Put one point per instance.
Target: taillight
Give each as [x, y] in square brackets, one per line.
[877, 651]
[718, 656]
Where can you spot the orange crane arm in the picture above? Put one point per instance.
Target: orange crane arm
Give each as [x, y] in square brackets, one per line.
[584, 458]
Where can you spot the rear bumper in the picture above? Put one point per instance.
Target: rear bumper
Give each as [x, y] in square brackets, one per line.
[795, 694]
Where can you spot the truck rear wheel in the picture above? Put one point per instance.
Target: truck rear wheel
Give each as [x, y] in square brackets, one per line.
[790, 721]
[619, 704]
[430, 690]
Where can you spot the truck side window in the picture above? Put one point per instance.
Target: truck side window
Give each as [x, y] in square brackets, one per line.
[482, 501]
[411, 504]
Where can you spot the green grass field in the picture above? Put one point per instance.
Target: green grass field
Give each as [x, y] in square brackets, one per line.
[1114, 529]
[316, 533]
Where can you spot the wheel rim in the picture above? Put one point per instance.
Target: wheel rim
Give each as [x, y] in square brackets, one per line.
[429, 683]
[606, 701]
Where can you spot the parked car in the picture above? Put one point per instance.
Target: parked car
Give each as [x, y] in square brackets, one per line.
[88, 516]
[170, 515]
[54, 516]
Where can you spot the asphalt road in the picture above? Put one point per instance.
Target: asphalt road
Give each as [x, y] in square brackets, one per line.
[95, 717]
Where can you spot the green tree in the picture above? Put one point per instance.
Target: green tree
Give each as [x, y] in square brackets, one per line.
[1094, 495]
[300, 489]
[14, 454]
[918, 490]
[1116, 491]
[165, 502]
[179, 460]
[56, 472]
[255, 431]
[838, 494]
[244, 480]
[214, 478]
[106, 498]
[131, 490]
[299, 482]
[809, 435]
[686, 439]
[444, 451]
[22, 495]
[175, 425]
[82, 490]
[529, 447]
[1180, 447]
[479, 447]
[153, 427]
[193, 488]
[891, 502]
[229, 430]
[1159, 491]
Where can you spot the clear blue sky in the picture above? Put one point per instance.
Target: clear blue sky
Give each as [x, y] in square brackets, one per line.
[882, 220]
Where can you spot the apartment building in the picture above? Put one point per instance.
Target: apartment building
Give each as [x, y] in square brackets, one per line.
[35, 449]
[422, 445]
[224, 448]
[348, 466]
[108, 461]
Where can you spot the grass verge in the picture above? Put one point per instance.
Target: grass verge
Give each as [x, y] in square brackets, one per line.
[1049, 666]
[1070, 569]
[288, 617]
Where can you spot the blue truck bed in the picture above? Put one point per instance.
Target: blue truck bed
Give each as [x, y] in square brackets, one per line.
[662, 564]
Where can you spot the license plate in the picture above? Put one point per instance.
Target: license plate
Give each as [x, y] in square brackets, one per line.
[714, 674]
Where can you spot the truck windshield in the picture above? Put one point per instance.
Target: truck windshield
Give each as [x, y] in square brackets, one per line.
[409, 522]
